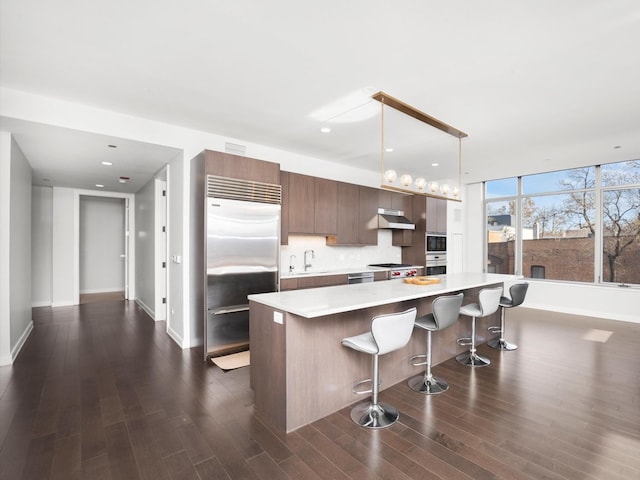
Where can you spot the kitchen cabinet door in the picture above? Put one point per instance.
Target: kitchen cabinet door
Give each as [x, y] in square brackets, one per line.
[415, 253]
[322, 281]
[394, 201]
[288, 284]
[368, 216]
[348, 204]
[245, 168]
[436, 215]
[301, 203]
[357, 216]
[284, 212]
[326, 206]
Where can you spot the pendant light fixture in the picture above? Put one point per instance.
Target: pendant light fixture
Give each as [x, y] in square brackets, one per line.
[421, 186]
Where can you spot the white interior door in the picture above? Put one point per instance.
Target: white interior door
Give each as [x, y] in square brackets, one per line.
[161, 250]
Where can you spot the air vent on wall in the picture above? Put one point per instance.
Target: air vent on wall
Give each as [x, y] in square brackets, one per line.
[235, 189]
[235, 149]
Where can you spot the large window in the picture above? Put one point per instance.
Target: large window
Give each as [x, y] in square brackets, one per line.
[501, 235]
[575, 225]
[621, 222]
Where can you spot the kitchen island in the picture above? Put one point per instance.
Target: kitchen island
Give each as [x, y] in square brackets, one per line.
[300, 372]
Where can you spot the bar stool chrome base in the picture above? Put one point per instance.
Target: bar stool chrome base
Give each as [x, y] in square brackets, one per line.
[473, 360]
[380, 415]
[501, 344]
[428, 386]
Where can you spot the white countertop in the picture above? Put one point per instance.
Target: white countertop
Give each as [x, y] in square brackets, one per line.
[319, 272]
[318, 302]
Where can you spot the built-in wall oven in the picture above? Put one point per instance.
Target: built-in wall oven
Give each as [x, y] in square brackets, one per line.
[436, 254]
[436, 243]
[436, 264]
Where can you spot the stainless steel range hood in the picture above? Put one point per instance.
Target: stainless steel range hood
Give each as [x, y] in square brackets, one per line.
[394, 219]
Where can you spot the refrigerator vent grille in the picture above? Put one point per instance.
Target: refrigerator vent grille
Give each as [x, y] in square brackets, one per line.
[234, 189]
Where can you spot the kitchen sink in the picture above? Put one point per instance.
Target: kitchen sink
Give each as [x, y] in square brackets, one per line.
[308, 272]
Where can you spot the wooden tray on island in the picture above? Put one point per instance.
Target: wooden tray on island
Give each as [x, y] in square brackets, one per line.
[422, 280]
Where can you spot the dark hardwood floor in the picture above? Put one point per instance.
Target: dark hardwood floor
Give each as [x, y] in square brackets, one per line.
[99, 391]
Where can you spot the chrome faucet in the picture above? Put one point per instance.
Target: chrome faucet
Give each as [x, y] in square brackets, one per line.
[291, 266]
[306, 263]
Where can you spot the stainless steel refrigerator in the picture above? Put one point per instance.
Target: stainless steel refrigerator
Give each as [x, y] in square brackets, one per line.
[243, 249]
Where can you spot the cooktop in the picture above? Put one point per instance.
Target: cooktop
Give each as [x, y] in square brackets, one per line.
[390, 265]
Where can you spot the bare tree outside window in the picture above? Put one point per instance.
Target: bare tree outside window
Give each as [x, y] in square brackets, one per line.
[621, 223]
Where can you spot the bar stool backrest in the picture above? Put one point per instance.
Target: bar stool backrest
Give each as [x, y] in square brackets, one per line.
[393, 331]
[446, 310]
[489, 299]
[518, 292]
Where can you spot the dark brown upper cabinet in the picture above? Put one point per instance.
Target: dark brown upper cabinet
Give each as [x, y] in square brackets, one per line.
[312, 205]
[357, 216]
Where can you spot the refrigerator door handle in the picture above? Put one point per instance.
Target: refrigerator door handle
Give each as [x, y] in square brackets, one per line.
[230, 309]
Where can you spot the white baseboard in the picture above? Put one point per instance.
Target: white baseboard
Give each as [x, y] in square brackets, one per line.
[64, 303]
[146, 308]
[9, 359]
[102, 290]
[43, 303]
[175, 337]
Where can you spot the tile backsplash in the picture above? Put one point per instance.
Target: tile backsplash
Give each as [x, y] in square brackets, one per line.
[332, 257]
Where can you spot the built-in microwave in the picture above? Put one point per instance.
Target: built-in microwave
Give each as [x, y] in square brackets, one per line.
[436, 243]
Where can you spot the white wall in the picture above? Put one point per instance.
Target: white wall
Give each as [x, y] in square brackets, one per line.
[64, 262]
[179, 317]
[15, 248]
[41, 246]
[5, 253]
[145, 248]
[102, 242]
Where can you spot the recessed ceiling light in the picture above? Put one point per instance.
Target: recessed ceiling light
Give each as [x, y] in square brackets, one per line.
[99, 185]
[390, 149]
[435, 164]
[112, 146]
[325, 130]
[106, 163]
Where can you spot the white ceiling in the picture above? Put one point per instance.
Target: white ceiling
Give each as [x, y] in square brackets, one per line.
[537, 85]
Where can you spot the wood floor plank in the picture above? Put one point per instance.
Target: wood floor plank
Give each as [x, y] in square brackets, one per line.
[39, 457]
[66, 459]
[122, 461]
[145, 451]
[97, 468]
[212, 469]
[179, 467]
[265, 468]
[99, 391]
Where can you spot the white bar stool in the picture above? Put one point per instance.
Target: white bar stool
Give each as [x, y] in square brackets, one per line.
[445, 313]
[517, 293]
[489, 301]
[388, 333]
